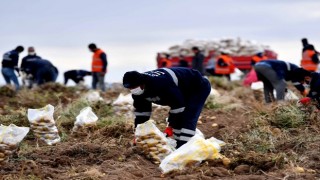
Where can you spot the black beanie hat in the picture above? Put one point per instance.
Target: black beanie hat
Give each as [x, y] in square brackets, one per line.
[132, 79]
[19, 48]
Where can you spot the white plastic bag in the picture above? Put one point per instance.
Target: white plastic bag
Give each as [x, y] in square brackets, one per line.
[93, 96]
[43, 124]
[199, 133]
[123, 100]
[236, 76]
[85, 118]
[152, 141]
[10, 137]
[123, 106]
[12, 134]
[257, 86]
[192, 153]
[291, 96]
[214, 93]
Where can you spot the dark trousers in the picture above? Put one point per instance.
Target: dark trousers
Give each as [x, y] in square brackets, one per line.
[186, 129]
[270, 81]
[98, 78]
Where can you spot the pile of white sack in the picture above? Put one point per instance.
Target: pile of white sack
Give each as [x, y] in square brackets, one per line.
[234, 46]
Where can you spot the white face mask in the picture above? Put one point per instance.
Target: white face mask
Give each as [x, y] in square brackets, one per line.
[32, 53]
[137, 91]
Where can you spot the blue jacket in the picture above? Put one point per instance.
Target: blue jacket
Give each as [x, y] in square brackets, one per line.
[10, 59]
[38, 64]
[169, 87]
[25, 64]
[284, 71]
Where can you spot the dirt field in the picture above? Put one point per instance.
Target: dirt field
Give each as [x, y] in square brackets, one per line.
[263, 142]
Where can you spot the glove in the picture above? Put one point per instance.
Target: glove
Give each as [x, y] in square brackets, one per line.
[305, 101]
[304, 93]
[168, 131]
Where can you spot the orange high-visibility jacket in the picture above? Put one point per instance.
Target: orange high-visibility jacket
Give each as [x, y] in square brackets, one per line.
[306, 62]
[97, 64]
[165, 62]
[257, 59]
[226, 69]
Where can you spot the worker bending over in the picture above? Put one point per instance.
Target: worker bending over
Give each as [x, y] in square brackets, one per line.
[275, 73]
[183, 89]
[42, 70]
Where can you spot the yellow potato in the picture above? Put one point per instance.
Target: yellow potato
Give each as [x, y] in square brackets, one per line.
[7, 152]
[299, 170]
[163, 151]
[158, 138]
[144, 137]
[214, 125]
[226, 161]
[152, 134]
[44, 120]
[2, 155]
[153, 149]
[153, 154]
[159, 145]
[150, 145]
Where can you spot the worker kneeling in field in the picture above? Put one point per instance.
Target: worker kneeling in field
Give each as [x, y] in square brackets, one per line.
[183, 89]
[275, 73]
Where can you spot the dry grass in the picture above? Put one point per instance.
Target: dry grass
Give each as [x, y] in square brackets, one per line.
[223, 83]
[279, 135]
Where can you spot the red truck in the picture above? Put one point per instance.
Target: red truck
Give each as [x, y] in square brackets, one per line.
[241, 62]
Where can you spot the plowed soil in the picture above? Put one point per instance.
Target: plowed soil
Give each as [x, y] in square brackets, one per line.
[108, 153]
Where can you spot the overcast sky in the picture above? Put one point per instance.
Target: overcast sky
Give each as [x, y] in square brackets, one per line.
[132, 32]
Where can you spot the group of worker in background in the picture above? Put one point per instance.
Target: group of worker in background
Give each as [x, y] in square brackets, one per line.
[275, 73]
[36, 70]
[222, 65]
[185, 90]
